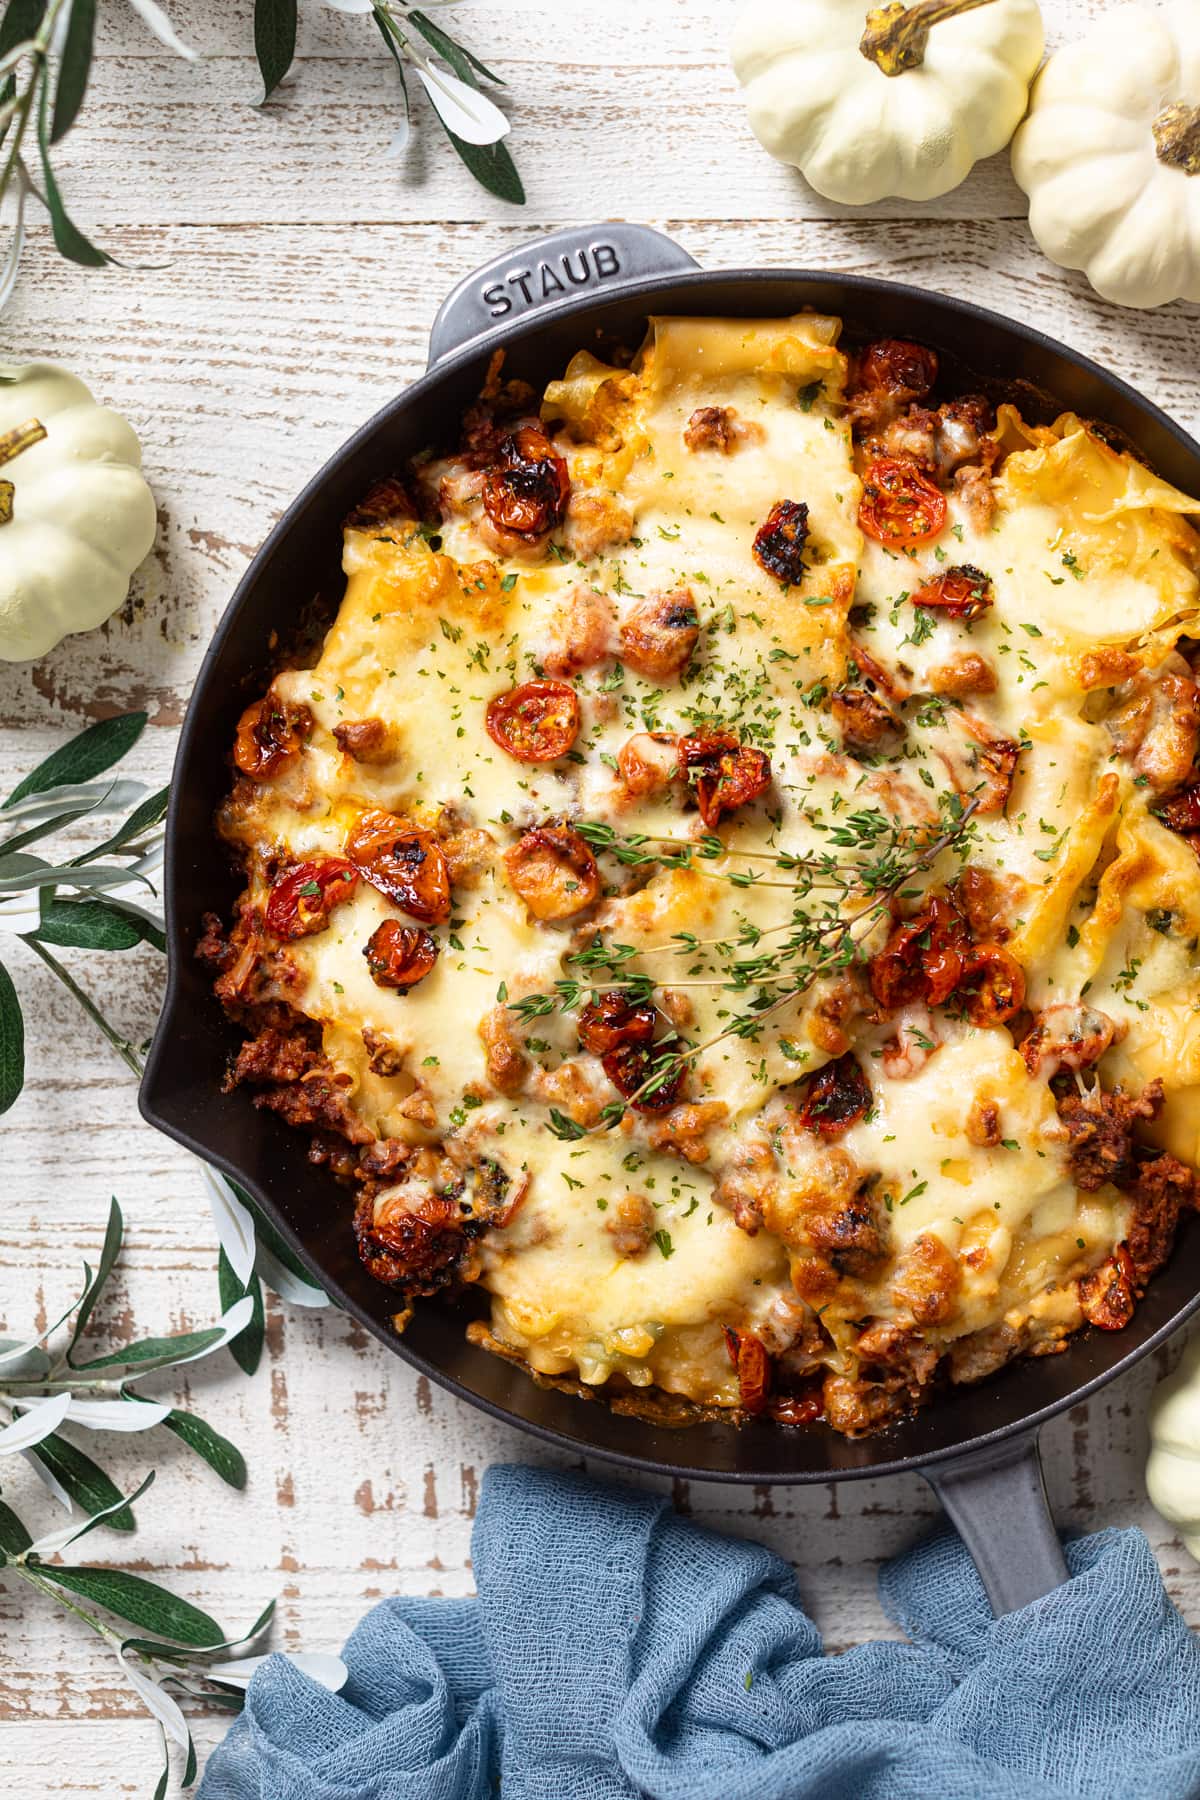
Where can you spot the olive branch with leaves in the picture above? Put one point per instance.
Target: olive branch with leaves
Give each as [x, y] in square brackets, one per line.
[46, 50]
[105, 898]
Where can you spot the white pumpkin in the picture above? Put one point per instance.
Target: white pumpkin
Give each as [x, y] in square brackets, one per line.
[76, 516]
[1173, 1471]
[897, 99]
[1110, 155]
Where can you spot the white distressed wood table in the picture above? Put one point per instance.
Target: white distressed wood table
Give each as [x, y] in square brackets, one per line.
[281, 277]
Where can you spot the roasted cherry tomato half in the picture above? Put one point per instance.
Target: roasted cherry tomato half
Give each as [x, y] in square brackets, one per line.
[301, 902]
[537, 722]
[722, 772]
[749, 1357]
[612, 1018]
[923, 959]
[992, 985]
[900, 505]
[403, 862]
[268, 733]
[629, 1066]
[526, 491]
[779, 544]
[964, 592]
[836, 1097]
[897, 366]
[399, 956]
[1182, 811]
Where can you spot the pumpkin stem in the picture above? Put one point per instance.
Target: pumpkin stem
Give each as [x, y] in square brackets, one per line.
[21, 437]
[897, 36]
[1177, 135]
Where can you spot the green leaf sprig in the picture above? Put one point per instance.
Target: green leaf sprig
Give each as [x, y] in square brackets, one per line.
[44, 1386]
[473, 123]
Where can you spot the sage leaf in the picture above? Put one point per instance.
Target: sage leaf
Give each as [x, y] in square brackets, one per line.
[12, 1042]
[38, 874]
[85, 925]
[11, 266]
[196, 1658]
[55, 1541]
[14, 1539]
[46, 828]
[67, 1470]
[32, 1426]
[74, 67]
[275, 1260]
[110, 1250]
[274, 41]
[83, 757]
[73, 798]
[463, 108]
[216, 1450]
[69, 241]
[140, 1602]
[247, 1347]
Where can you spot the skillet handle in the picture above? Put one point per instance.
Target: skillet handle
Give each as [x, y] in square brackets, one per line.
[996, 1499]
[581, 259]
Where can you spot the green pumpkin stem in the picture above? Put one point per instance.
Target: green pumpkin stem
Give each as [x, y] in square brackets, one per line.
[897, 36]
[1177, 137]
[21, 437]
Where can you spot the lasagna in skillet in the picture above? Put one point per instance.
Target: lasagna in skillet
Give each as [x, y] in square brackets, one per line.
[728, 884]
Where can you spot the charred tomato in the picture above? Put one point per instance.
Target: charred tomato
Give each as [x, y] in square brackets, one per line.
[836, 1097]
[404, 862]
[963, 592]
[612, 1018]
[301, 901]
[900, 505]
[780, 542]
[536, 722]
[722, 772]
[399, 956]
[268, 733]
[525, 492]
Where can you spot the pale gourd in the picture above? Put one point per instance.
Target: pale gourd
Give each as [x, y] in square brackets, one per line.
[900, 99]
[1110, 156]
[1173, 1471]
[76, 515]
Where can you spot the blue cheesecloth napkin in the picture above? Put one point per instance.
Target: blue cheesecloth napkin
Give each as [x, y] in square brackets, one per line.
[616, 1651]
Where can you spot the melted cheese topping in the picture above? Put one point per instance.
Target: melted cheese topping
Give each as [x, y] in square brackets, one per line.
[1083, 548]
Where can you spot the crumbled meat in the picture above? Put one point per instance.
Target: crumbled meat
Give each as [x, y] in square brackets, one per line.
[963, 676]
[1161, 1188]
[647, 762]
[746, 1184]
[834, 1004]
[1108, 1297]
[990, 903]
[1158, 727]
[553, 871]
[983, 1124]
[385, 1058]
[596, 522]
[658, 637]
[718, 428]
[868, 727]
[856, 1407]
[897, 1349]
[927, 1280]
[507, 1065]
[388, 502]
[364, 740]
[581, 632]
[973, 488]
[630, 1224]
[982, 1352]
[684, 1130]
[1107, 667]
[1100, 1126]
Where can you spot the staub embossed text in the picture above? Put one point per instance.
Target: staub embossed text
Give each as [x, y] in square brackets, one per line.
[519, 288]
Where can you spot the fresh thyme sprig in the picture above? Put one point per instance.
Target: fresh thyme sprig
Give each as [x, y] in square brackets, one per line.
[813, 947]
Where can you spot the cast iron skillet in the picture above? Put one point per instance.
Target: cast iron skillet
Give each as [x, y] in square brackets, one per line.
[977, 1446]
